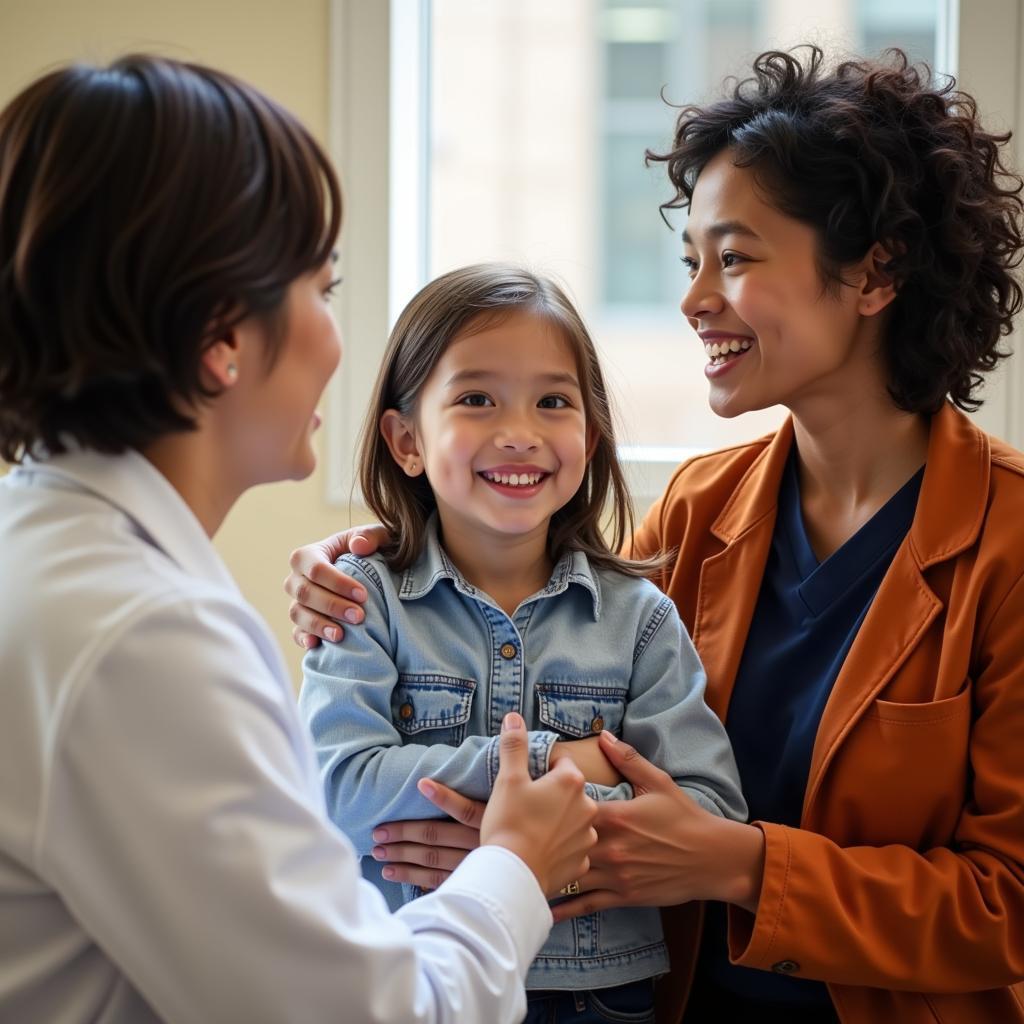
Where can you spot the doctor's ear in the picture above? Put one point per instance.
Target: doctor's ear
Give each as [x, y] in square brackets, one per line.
[399, 433]
[220, 362]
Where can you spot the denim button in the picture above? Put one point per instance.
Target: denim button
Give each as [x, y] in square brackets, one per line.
[509, 651]
[406, 711]
[597, 724]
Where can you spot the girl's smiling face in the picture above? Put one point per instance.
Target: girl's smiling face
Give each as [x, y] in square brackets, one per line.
[499, 428]
[773, 332]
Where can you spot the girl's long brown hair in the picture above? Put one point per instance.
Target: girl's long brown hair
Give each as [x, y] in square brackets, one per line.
[598, 519]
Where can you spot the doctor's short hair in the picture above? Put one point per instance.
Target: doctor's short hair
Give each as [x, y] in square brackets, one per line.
[882, 151]
[598, 519]
[146, 208]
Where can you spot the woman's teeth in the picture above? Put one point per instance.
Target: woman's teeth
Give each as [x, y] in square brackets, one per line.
[719, 351]
[513, 479]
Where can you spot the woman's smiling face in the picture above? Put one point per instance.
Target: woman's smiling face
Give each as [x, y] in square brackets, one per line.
[773, 332]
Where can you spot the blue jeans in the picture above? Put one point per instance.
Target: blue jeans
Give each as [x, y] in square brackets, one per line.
[623, 1004]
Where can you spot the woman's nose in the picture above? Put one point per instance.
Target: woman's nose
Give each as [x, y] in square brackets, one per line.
[701, 299]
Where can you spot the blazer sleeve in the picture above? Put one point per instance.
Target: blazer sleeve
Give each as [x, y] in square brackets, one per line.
[949, 919]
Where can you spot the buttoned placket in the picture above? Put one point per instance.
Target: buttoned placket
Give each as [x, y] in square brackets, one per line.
[507, 682]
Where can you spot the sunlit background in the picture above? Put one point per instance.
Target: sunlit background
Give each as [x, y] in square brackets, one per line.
[541, 159]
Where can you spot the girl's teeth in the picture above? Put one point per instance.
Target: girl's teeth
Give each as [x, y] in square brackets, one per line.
[514, 479]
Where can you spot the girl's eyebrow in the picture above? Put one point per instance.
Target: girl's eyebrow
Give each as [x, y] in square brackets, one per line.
[723, 228]
[473, 376]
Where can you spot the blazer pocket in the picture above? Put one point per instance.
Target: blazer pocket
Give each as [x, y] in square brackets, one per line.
[432, 708]
[914, 760]
[931, 712]
[580, 709]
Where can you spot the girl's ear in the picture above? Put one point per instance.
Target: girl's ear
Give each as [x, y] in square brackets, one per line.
[593, 440]
[878, 287]
[399, 434]
[220, 363]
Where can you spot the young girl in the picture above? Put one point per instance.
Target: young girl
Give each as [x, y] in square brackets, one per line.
[489, 454]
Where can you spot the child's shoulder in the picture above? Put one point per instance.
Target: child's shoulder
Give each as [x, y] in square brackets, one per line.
[370, 569]
[622, 593]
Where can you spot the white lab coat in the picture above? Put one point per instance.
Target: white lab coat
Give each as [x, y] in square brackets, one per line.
[164, 848]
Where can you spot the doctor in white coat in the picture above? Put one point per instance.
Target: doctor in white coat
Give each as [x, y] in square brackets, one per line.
[165, 335]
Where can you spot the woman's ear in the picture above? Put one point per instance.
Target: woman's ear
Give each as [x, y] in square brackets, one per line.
[399, 434]
[878, 287]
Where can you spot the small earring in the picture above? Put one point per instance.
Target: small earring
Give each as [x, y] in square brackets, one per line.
[232, 371]
[412, 466]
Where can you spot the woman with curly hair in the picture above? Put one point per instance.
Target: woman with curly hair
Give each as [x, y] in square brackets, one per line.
[854, 583]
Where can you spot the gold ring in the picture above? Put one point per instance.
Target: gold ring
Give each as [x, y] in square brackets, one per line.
[572, 889]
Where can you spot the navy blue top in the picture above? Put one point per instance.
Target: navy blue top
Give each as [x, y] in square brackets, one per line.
[807, 614]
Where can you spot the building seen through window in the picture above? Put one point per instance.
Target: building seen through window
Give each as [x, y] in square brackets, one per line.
[540, 116]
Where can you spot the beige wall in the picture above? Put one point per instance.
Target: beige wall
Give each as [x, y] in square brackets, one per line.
[280, 46]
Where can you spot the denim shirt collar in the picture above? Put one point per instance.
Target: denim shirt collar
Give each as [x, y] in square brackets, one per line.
[434, 564]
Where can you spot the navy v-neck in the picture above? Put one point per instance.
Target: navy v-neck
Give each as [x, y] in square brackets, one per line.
[807, 615]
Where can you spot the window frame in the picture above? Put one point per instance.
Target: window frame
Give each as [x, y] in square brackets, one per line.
[378, 111]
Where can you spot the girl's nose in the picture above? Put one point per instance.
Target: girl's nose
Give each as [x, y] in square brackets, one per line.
[517, 434]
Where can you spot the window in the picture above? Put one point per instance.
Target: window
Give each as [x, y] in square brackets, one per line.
[517, 131]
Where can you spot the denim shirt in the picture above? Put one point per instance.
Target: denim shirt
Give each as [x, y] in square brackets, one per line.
[420, 690]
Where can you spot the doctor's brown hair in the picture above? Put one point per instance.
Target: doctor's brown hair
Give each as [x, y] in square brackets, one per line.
[145, 208]
[472, 299]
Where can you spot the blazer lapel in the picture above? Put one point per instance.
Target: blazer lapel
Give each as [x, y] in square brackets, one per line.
[730, 580]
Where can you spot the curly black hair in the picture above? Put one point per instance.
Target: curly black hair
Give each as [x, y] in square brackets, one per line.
[881, 151]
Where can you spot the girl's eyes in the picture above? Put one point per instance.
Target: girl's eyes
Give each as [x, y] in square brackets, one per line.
[553, 402]
[475, 399]
[329, 290]
[478, 400]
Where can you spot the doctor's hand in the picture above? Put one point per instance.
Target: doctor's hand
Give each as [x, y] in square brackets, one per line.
[323, 595]
[661, 848]
[547, 823]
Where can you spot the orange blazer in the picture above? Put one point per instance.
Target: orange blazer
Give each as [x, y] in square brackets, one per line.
[903, 889]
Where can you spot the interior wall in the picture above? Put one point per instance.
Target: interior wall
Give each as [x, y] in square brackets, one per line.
[281, 46]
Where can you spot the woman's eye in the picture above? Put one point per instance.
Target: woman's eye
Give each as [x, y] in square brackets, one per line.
[690, 263]
[476, 400]
[329, 290]
[553, 402]
[730, 259]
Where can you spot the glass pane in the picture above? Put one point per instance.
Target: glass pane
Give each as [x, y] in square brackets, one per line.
[540, 116]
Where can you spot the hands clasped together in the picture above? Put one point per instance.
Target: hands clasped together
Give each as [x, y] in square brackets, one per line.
[658, 849]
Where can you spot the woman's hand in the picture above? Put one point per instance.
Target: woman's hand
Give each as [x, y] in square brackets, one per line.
[661, 848]
[323, 595]
[588, 756]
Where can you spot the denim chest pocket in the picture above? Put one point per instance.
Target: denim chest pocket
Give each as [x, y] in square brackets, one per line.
[580, 709]
[432, 708]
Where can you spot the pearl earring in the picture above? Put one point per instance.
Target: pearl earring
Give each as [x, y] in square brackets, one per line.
[412, 466]
[232, 371]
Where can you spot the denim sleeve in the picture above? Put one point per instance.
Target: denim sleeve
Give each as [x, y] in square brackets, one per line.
[369, 776]
[669, 723]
